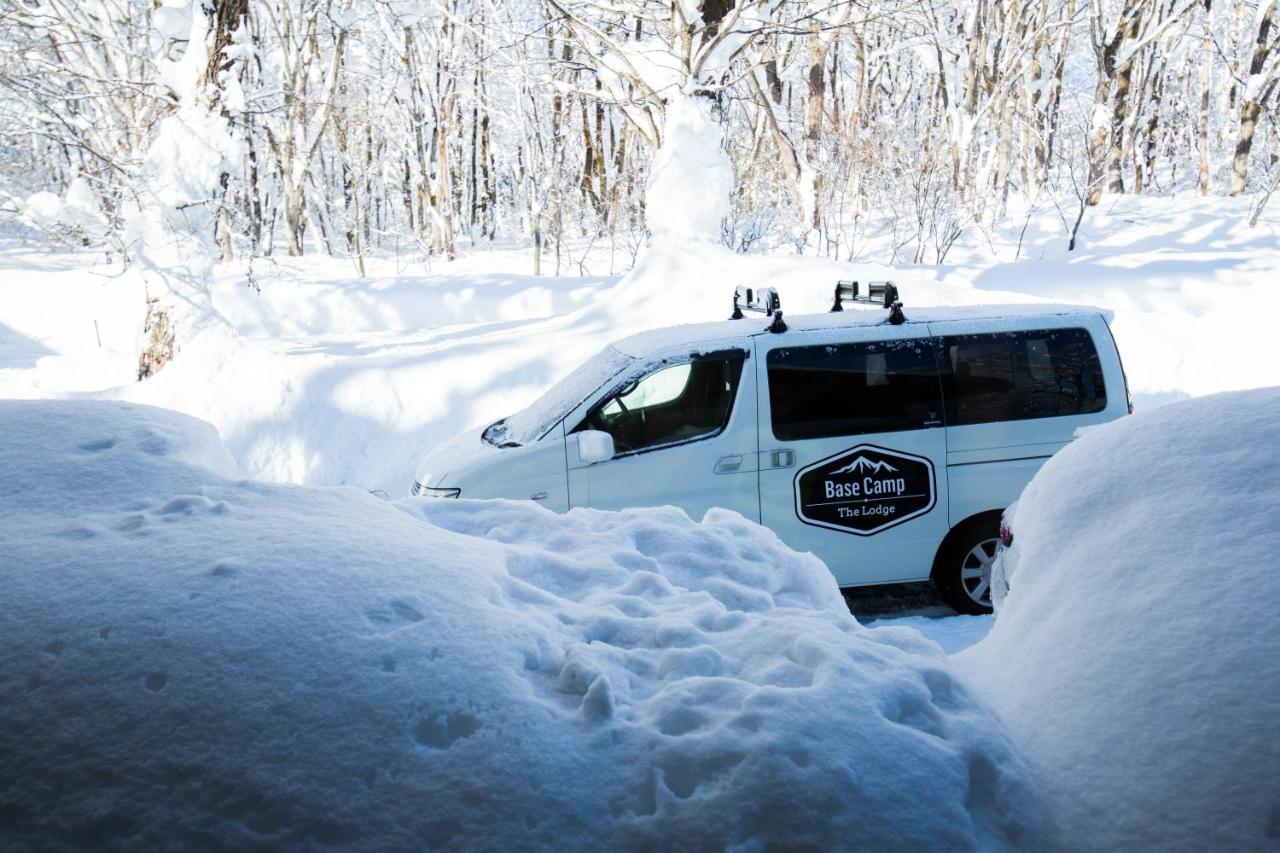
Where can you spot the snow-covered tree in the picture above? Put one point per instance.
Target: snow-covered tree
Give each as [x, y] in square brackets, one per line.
[422, 126]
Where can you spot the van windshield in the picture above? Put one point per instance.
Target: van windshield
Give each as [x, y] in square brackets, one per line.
[532, 422]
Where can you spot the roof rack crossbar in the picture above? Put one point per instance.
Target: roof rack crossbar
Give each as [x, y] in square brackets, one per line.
[883, 293]
[762, 301]
[844, 290]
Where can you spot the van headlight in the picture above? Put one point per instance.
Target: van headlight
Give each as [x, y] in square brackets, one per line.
[431, 492]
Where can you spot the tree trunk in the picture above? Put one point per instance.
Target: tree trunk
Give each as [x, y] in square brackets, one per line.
[444, 194]
[1120, 111]
[1097, 140]
[1004, 151]
[1206, 82]
[535, 217]
[1145, 164]
[1249, 112]
[224, 235]
[227, 16]
[1055, 93]
[1256, 93]
[293, 220]
[814, 112]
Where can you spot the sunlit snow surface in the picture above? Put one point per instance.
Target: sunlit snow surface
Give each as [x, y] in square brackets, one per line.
[188, 659]
[1135, 659]
[321, 377]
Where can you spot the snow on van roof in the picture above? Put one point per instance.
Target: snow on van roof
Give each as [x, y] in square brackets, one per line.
[711, 336]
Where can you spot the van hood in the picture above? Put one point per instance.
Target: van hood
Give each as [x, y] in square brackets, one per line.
[456, 454]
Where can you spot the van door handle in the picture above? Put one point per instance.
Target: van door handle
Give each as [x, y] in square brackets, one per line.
[779, 458]
[730, 464]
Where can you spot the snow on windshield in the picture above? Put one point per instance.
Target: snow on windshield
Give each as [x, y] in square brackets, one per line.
[529, 424]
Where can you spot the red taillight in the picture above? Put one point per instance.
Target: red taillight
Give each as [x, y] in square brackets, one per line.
[1006, 535]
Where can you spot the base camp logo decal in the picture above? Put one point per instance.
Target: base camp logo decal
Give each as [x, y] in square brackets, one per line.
[864, 490]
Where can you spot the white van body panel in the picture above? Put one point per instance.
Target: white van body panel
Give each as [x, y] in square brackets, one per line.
[696, 475]
[899, 552]
[532, 472]
[989, 464]
[986, 486]
[971, 469]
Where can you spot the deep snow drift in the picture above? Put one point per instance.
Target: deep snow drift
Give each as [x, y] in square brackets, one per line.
[1135, 659]
[190, 659]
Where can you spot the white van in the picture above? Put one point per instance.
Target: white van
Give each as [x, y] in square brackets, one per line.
[886, 445]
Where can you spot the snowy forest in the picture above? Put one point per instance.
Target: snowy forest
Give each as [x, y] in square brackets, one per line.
[403, 445]
[388, 126]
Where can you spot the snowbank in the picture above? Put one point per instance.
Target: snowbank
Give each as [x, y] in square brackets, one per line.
[1135, 656]
[188, 659]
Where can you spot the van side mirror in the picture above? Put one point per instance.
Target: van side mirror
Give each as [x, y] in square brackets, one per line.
[594, 446]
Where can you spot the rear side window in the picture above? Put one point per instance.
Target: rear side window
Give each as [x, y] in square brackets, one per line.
[1013, 376]
[675, 404]
[853, 389]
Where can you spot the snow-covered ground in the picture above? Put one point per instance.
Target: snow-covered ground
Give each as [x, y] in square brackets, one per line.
[321, 377]
[190, 659]
[951, 631]
[1135, 657]
[386, 652]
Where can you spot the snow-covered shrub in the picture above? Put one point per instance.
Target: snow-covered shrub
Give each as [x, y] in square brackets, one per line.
[73, 216]
[1135, 658]
[191, 660]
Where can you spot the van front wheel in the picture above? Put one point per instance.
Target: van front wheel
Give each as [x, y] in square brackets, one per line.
[962, 568]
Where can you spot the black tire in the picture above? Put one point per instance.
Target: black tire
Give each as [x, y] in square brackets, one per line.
[958, 566]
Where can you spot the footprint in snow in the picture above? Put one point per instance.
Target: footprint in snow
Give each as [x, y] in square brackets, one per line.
[392, 615]
[224, 569]
[189, 505]
[441, 731]
[132, 523]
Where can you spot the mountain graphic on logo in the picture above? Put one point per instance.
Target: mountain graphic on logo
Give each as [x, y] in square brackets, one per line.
[862, 465]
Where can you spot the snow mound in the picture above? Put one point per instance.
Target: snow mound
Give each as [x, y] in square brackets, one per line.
[1135, 656]
[77, 209]
[691, 178]
[77, 456]
[187, 659]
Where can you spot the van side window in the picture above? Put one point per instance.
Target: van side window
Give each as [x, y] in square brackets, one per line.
[674, 404]
[1011, 376]
[852, 389]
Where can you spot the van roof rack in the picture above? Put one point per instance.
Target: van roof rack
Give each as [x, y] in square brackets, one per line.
[763, 301]
[883, 293]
